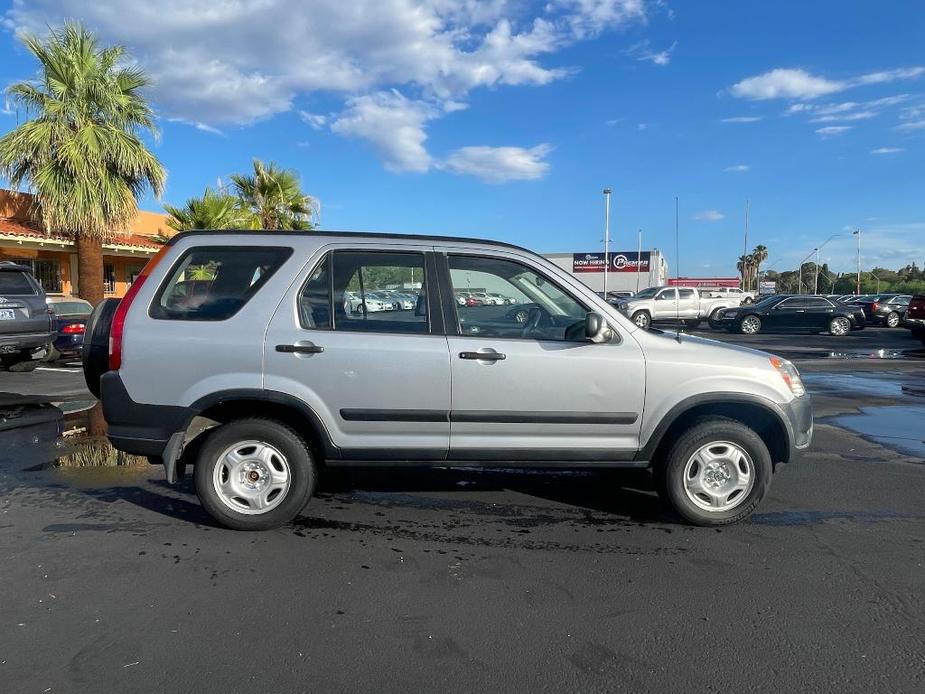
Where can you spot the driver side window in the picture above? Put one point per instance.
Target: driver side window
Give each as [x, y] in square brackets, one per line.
[496, 297]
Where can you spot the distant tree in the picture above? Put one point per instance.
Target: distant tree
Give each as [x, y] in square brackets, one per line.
[81, 154]
[214, 210]
[759, 255]
[273, 198]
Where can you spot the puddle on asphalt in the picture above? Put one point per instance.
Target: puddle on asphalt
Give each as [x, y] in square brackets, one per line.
[853, 354]
[899, 427]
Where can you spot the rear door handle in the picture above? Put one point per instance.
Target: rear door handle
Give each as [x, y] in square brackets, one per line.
[300, 349]
[483, 356]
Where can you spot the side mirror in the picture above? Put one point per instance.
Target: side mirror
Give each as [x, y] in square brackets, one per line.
[596, 328]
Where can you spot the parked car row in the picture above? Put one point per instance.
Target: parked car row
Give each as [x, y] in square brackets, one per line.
[377, 300]
[484, 299]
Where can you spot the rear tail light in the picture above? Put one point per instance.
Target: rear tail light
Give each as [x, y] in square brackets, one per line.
[117, 330]
[874, 306]
[74, 329]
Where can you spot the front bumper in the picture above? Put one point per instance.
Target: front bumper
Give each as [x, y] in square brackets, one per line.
[916, 325]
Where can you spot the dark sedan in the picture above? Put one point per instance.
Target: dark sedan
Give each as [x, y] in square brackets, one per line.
[70, 318]
[791, 314]
[884, 309]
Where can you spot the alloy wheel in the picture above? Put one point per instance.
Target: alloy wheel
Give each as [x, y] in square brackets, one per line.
[840, 326]
[751, 325]
[892, 320]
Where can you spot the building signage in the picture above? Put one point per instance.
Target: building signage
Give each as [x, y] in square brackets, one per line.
[765, 288]
[619, 262]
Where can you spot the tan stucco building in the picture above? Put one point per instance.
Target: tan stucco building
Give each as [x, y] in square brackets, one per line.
[53, 259]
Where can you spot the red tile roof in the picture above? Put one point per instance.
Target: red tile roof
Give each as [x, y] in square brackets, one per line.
[30, 231]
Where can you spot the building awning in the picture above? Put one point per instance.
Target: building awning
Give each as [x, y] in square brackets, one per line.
[22, 231]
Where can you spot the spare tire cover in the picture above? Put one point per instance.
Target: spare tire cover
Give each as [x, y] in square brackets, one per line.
[95, 352]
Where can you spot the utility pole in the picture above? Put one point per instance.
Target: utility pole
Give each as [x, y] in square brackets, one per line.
[816, 281]
[857, 291]
[745, 251]
[606, 238]
[638, 260]
[677, 243]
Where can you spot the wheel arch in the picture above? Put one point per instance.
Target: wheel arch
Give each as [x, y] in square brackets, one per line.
[757, 413]
[228, 405]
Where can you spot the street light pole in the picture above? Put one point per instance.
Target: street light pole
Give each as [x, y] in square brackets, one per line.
[606, 238]
[638, 260]
[677, 243]
[857, 291]
[745, 251]
[816, 268]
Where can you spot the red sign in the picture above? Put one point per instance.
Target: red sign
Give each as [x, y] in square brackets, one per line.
[704, 282]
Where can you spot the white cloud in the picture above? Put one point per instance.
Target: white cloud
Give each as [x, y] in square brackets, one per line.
[833, 130]
[710, 216]
[237, 61]
[499, 164]
[643, 51]
[737, 168]
[789, 83]
[784, 83]
[837, 117]
[394, 126]
[742, 119]
[911, 125]
[886, 150]
[315, 120]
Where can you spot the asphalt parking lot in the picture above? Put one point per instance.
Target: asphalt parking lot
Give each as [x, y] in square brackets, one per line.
[464, 580]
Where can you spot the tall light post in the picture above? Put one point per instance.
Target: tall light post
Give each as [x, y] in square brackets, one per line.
[800, 286]
[606, 238]
[677, 242]
[857, 233]
[638, 259]
[818, 248]
[745, 251]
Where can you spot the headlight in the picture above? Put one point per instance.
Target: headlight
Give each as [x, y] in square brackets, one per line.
[791, 376]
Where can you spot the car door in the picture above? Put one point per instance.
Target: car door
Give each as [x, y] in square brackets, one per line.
[665, 306]
[535, 389]
[688, 304]
[786, 315]
[379, 380]
[817, 313]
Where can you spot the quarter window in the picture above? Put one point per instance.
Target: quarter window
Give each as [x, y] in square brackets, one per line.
[496, 297]
[214, 283]
[686, 293]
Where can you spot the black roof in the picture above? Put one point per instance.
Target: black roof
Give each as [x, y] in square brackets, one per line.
[10, 266]
[349, 234]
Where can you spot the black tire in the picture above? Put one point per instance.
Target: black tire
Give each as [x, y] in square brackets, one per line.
[95, 352]
[302, 470]
[712, 322]
[670, 470]
[892, 320]
[642, 319]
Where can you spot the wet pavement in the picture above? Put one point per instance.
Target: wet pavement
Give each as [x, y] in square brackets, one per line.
[470, 579]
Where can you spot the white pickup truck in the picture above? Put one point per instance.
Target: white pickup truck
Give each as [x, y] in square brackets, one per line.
[673, 304]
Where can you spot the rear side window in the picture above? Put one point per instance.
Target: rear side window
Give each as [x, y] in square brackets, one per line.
[15, 283]
[212, 283]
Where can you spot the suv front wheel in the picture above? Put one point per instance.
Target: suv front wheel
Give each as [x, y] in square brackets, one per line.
[254, 474]
[716, 473]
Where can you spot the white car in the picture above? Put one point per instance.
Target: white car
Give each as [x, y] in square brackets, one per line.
[502, 300]
[487, 299]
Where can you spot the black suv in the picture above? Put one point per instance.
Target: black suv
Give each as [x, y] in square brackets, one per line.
[25, 320]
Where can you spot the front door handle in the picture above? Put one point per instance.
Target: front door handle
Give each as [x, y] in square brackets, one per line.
[483, 356]
[300, 349]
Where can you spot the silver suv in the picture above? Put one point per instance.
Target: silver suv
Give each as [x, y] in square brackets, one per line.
[259, 376]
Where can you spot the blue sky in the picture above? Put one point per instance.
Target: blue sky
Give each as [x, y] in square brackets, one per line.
[505, 119]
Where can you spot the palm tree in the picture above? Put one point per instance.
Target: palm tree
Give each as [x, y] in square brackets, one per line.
[760, 254]
[273, 198]
[81, 154]
[214, 210]
[744, 266]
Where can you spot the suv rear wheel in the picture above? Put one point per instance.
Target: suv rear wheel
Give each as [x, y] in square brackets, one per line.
[254, 474]
[716, 473]
[642, 319]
